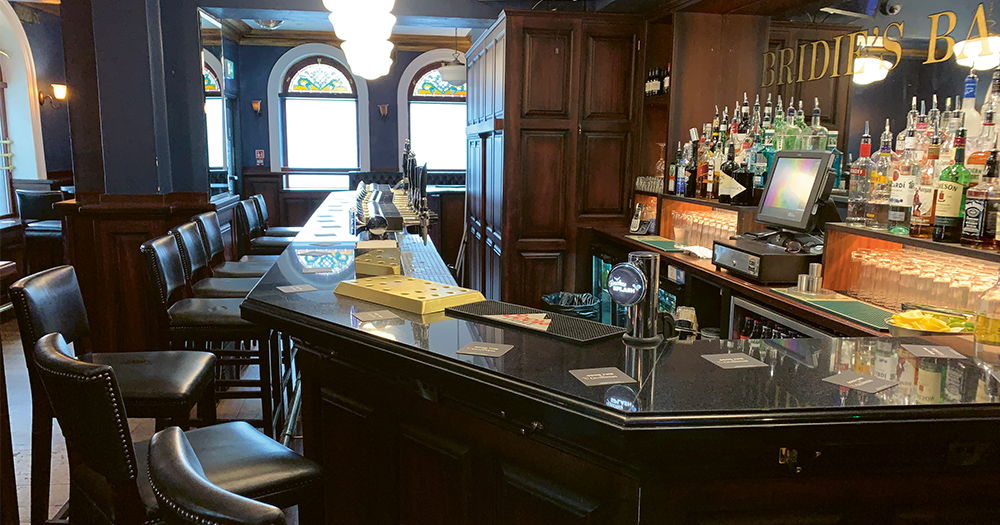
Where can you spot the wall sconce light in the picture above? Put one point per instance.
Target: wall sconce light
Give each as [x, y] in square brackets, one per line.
[255, 104]
[58, 93]
[383, 110]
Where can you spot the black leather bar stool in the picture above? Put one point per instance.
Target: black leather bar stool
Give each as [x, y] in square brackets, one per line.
[109, 480]
[213, 325]
[197, 272]
[186, 496]
[161, 385]
[249, 235]
[42, 226]
[268, 230]
[249, 266]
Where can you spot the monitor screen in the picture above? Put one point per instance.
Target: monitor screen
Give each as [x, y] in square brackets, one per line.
[793, 187]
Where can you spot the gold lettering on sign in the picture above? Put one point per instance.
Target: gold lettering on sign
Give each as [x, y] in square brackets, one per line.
[932, 45]
[802, 58]
[785, 66]
[979, 24]
[768, 72]
[836, 57]
[855, 51]
[826, 59]
[892, 45]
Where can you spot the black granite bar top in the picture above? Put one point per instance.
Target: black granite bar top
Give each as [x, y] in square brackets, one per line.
[671, 384]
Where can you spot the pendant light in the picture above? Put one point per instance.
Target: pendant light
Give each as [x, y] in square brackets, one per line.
[454, 72]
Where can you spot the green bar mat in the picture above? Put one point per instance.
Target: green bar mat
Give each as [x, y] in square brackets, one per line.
[851, 309]
[660, 243]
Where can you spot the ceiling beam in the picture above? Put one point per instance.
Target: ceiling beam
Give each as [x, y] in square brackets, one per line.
[290, 38]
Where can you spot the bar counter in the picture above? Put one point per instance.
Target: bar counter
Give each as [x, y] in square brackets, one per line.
[409, 431]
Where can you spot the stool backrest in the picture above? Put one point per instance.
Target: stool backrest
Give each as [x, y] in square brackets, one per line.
[261, 210]
[88, 404]
[211, 232]
[165, 269]
[193, 252]
[246, 224]
[50, 301]
[37, 205]
[186, 496]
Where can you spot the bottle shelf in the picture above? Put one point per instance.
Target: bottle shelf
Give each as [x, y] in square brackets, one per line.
[658, 100]
[710, 203]
[927, 244]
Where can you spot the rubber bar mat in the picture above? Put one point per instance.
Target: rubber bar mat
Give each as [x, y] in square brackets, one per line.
[660, 243]
[562, 327]
[851, 309]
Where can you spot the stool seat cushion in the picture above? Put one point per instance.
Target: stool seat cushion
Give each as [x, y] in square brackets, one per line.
[201, 313]
[242, 269]
[259, 258]
[269, 245]
[227, 287]
[152, 381]
[44, 226]
[283, 231]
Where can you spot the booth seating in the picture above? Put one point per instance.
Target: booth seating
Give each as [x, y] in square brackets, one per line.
[250, 239]
[109, 481]
[43, 229]
[163, 385]
[213, 325]
[197, 272]
[211, 232]
[268, 230]
[186, 496]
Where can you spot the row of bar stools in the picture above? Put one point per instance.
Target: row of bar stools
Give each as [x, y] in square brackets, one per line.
[162, 385]
[250, 238]
[212, 324]
[266, 228]
[211, 234]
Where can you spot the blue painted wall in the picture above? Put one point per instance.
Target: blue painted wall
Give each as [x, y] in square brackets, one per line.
[45, 39]
[254, 68]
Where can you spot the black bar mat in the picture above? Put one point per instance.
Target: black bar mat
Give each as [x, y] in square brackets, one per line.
[562, 327]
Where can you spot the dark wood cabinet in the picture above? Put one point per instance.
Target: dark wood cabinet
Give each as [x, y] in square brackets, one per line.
[559, 95]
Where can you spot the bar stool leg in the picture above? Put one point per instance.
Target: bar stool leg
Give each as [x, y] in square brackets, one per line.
[41, 460]
[264, 349]
[207, 405]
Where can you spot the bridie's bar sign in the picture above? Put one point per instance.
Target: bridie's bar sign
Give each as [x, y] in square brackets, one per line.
[782, 66]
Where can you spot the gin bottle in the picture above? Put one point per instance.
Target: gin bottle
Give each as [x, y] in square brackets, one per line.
[877, 205]
[816, 134]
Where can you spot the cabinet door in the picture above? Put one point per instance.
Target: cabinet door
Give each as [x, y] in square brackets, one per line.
[528, 497]
[494, 185]
[473, 178]
[436, 483]
[495, 269]
[547, 68]
[474, 260]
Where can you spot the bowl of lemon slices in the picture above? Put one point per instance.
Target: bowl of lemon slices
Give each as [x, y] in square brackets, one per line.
[922, 322]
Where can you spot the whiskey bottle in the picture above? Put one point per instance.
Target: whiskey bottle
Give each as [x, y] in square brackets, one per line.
[979, 227]
[925, 198]
[952, 185]
[877, 204]
[741, 187]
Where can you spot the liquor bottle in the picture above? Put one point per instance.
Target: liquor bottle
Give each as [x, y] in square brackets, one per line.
[920, 149]
[979, 227]
[790, 138]
[933, 116]
[715, 171]
[656, 85]
[904, 187]
[973, 121]
[745, 115]
[948, 138]
[741, 187]
[676, 169]
[715, 124]
[691, 183]
[929, 380]
[838, 156]
[952, 184]
[779, 121]
[886, 361]
[724, 127]
[768, 114]
[987, 331]
[683, 175]
[734, 128]
[911, 122]
[925, 198]
[728, 171]
[992, 100]
[877, 204]
[704, 166]
[978, 153]
[857, 194]
[946, 115]
[665, 81]
[649, 82]
[816, 135]
[755, 158]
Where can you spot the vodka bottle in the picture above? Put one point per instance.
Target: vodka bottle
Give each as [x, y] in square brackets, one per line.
[857, 194]
[973, 121]
[952, 185]
[816, 134]
[925, 198]
[904, 186]
[933, 116]
[877, 205]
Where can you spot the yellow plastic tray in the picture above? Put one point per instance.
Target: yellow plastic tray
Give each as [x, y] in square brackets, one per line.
[407, 293]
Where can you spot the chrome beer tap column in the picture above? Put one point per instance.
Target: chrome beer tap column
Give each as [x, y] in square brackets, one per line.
[636, 285]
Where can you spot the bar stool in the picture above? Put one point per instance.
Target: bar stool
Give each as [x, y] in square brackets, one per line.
[211, 232]
[109, 480]
[42, 227]
[273, 231]
[214, 325]
[162, 385]
[249, 237]
[186, 496]
[197, 272]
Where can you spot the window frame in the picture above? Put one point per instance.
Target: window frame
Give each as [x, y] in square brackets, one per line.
[8, 175]
[284, 94]
[221, 96]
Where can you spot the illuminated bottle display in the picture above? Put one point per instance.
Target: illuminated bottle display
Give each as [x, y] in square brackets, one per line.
[904, 186]
[877, 205]
[952, 185]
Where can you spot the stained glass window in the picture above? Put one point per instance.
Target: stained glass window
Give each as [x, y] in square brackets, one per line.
[211, 81]
[318, 78]
[432, 85]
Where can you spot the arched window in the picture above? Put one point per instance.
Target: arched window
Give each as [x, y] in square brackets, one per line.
[215, 120]
[437, 120]
[319, 117]
[6, 161]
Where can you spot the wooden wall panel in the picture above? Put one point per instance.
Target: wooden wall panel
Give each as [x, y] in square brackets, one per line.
[547, 66]
[602, 182]
[500, 50]
[608, 72]
[298, 206]
[540, 273]
[434, 468]
[544, 163]
[494, 190]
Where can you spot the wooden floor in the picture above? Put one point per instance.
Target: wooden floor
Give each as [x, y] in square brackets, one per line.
[20, 413]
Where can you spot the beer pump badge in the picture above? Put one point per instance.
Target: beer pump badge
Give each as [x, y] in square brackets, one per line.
[626, 284]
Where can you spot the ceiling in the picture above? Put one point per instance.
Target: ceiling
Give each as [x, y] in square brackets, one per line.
[323, 25]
